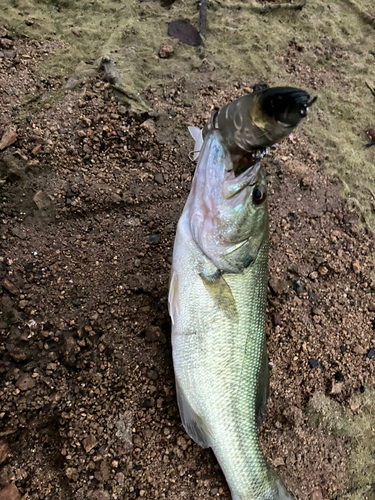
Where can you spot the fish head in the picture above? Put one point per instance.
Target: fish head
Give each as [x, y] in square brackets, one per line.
[228, 215]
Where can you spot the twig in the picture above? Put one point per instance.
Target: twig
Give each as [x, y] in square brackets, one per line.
[202, 17]
[7, 433]
[265, 7]
[371, 88]
[275, 6]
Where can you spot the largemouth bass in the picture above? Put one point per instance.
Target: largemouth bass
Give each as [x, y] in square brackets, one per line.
[217, 303]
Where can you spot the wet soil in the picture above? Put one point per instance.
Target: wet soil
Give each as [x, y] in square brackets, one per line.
[91, 197]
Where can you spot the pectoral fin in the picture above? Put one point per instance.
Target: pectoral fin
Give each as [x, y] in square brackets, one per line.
[194, 425]
[222, 296]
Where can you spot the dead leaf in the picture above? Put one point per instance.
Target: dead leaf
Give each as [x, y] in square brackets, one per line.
[9, 137]
[185, 32]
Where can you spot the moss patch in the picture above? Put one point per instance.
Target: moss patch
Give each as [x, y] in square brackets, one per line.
[356, 423]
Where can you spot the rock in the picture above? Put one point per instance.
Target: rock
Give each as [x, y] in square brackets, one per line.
[159, 178]
[10, 492]
[6, 43]
[347, 219]
[22, 304]
[356, 267]
[213, 492]
[166, 51]
[359, 349]
[25, 382]
[313, 363]
[152, 375]
[101, 495]
[36, 150]
[89, 443]
[307, 182]
[16, 231]
[9, 137]
[108, 70]
[278, 462]
[298, 287]
[149, 125]
[336, 387]
[154, 333]
[104, 473]
[153, 238]
[278, 286]
[339, 376]
[181, 442]
[371, 353]
[148, 403]
[137, 441]
[3, 32]
[76, 32]
[72, 473]
[277, 320]
[41, 200]
[316, 495]
[9, 286]
[120, 478]
[4, 452]
[323, 270]
[18, 354]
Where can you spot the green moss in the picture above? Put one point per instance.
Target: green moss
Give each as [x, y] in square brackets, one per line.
[359, 427]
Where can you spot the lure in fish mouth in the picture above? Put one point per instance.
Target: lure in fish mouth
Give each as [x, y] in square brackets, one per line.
[258, 120]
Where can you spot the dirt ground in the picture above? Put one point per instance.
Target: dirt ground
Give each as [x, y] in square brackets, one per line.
[91, 193]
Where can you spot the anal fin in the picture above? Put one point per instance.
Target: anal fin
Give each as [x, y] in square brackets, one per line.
[194, 425]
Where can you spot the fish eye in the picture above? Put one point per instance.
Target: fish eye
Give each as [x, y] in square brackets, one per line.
[259, 195]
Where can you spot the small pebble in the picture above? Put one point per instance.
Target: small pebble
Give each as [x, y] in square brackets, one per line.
[153, 238]
[316, 495]
[313, 363]
[339, 376]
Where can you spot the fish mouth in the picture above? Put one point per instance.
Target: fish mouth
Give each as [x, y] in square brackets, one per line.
[248, 161]
[234, 184]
